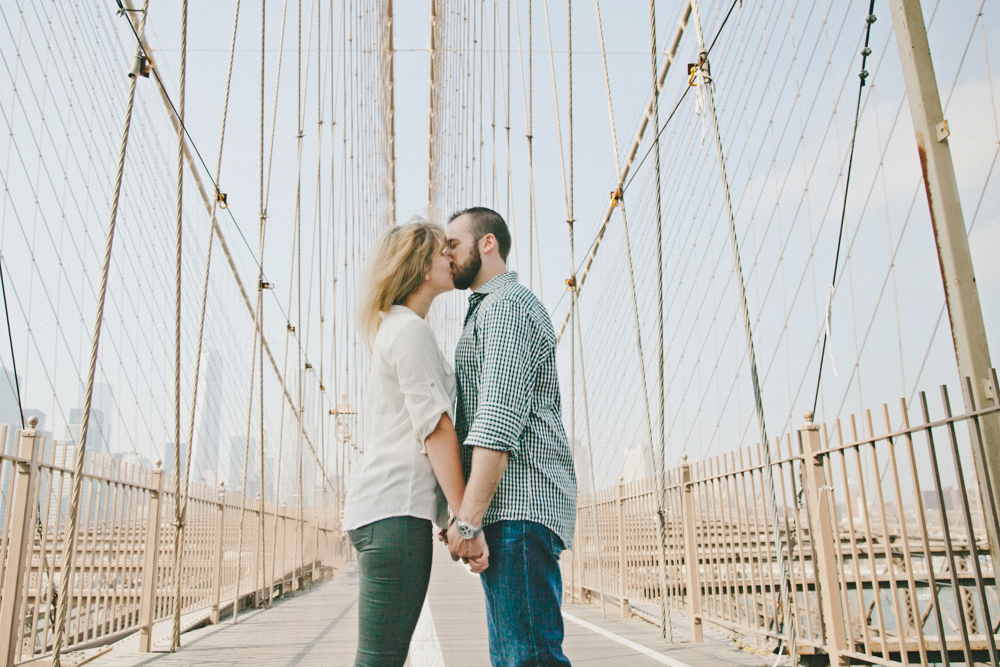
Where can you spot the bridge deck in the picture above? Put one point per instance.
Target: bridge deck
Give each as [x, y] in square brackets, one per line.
[319, 628]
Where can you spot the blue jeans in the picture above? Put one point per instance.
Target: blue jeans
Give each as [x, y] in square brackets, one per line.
[523, 592]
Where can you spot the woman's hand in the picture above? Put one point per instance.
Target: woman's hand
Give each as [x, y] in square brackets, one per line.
[479, 565]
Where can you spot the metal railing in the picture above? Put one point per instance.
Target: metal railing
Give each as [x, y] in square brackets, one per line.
[882, 522]
[123, 567]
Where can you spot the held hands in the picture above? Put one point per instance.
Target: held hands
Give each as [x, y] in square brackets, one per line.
[474, 551]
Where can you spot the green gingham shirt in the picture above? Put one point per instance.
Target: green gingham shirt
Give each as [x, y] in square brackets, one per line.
[508, 400]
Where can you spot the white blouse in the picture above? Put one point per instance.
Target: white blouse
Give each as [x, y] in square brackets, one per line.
[410, 386]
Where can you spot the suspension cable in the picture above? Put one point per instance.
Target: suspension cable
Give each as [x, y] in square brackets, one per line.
[175, 637]
[863, 75]
[69, 549]
[783, 606]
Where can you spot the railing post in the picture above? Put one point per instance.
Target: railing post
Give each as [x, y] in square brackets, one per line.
[317, 563]
[20, 546]
[819, 495]
[690, 550]
[622, 579]
[147, 601]
[217, 564]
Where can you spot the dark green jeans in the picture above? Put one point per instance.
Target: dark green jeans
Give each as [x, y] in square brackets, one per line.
[395, 557]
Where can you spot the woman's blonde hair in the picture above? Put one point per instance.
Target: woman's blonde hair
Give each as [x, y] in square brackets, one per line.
[395, 270]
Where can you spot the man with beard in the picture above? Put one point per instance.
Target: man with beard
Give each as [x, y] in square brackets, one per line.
[520, 500]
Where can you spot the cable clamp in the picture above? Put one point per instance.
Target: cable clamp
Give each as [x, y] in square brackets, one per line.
[308, 366]
[571, 284]
[264, 285]
[616, 196]
[291, 328]
[221, 198]
[141, 66]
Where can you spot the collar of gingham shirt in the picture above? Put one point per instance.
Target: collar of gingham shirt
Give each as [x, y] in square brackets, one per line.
[508, 400]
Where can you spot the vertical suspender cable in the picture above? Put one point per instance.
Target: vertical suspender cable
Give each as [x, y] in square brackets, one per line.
[590, 463]
[657, 479]
[179, 554]
[69, 547]
[660, 460]
[258, 322]
[298, 266]
[671, 53]
[175, 637]
[786, 606]
[260, 289]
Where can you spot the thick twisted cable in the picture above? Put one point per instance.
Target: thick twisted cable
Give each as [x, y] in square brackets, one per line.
[69, 550]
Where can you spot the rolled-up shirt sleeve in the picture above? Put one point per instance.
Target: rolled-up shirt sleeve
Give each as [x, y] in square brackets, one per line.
[421, 378]
[506, 384]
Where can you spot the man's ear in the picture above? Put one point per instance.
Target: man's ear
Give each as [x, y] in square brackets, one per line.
[489, 244]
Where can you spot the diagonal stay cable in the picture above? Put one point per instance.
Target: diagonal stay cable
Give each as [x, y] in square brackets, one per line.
[863, 75]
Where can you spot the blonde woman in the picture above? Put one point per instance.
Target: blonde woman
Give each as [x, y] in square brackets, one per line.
[410, 471]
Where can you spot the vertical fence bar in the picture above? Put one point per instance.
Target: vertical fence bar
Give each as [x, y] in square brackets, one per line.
[620, 505]
[25, 472]
[819, 492]
[690, 550]
[220, 515]
[147, 603]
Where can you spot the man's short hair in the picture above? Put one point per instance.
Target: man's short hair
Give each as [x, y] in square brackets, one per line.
[487, 221]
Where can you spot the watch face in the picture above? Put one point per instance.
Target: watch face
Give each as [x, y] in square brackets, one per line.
[466, 530]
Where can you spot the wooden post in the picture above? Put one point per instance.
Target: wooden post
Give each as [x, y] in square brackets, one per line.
[690, 550]
[20, 545]
[217, 565]
[819, 495]
[147, 602]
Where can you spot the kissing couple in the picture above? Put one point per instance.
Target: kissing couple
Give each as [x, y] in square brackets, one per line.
[484, 438]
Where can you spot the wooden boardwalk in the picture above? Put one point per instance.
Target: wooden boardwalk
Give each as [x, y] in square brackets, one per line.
[319, 628]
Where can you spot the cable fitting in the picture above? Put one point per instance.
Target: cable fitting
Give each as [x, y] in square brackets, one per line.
[308, 366]
[864, 75]
[291, 328]
[571, 284]
[264, 285]
[871, 19]
[866, 52]
[140, 67]
[616, 196]
[221, 198]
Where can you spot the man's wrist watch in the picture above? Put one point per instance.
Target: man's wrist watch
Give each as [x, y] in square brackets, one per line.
[466, 530]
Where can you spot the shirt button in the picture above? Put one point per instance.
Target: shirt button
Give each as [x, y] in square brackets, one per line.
[432, 384]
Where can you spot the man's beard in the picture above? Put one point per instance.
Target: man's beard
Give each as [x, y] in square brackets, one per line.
[465, 274]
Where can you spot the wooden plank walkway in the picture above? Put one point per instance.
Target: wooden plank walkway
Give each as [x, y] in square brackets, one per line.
[319, 628]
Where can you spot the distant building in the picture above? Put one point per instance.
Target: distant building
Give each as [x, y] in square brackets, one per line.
[10, 412]
[168, 457]
[102, 409]
[237, 456]
[952, 499]
[207, 445]
[636, 464]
